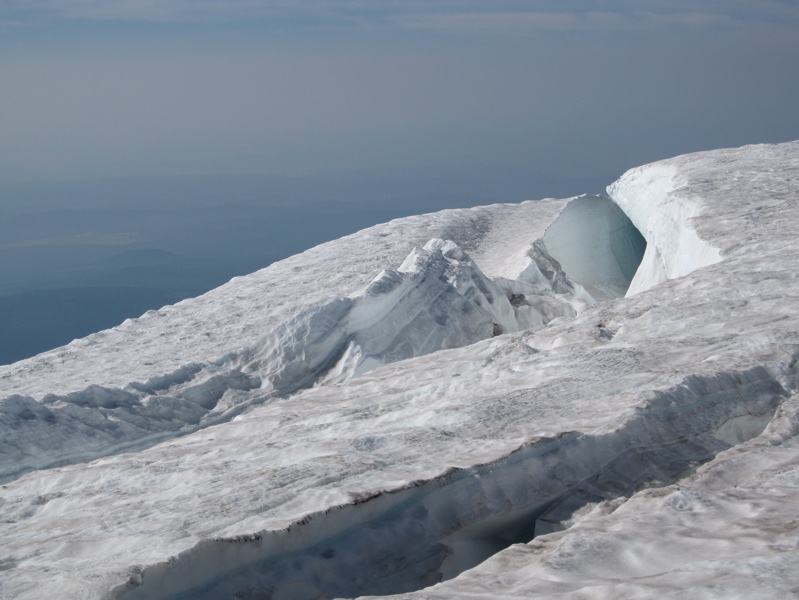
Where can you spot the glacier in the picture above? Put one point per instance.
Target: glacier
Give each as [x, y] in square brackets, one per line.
[583, 397]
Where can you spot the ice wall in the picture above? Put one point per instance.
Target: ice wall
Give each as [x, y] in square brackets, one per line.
[650, 197]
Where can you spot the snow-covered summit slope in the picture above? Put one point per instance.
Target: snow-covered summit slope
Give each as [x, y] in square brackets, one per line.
[238, 314]
[418, 470]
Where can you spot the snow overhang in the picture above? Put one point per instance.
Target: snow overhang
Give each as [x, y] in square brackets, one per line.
[650, 197]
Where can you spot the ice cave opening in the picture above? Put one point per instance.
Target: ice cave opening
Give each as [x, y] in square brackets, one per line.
[597, 246]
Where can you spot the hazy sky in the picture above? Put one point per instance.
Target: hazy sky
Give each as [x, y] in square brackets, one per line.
[111, 87]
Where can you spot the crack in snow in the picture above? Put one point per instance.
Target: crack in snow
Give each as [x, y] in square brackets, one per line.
[408, 539]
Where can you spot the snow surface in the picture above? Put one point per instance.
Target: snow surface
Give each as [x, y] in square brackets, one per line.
[437, 299]
[635, 447]
[239, 313]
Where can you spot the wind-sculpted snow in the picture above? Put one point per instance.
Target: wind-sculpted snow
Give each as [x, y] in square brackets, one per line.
[437, 299]
[647, 444]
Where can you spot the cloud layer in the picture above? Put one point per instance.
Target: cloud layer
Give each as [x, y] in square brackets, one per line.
[103, 87]
[448, 15]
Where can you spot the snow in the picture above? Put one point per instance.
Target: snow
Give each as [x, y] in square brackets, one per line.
[330, 438]
[238, 314]
[437, 299]
[651, 198]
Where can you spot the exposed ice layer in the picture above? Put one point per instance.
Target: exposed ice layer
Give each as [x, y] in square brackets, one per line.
[651, 198]
[433, 530]
[590, 252]
[596, 245]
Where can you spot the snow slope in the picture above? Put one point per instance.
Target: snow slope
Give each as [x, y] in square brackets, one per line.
[437, 299]
[325, 435]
